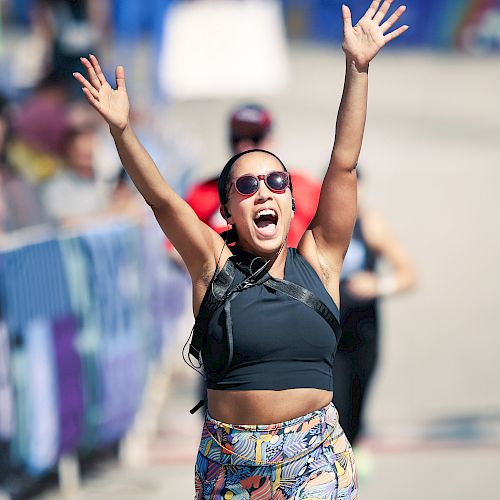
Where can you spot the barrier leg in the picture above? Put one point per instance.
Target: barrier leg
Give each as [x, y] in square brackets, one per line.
[69, 476]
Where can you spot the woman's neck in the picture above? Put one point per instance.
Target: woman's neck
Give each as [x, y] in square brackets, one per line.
[277, 269]
[278, 260]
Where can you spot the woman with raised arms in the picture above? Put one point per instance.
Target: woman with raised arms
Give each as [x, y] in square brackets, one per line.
[266, 326]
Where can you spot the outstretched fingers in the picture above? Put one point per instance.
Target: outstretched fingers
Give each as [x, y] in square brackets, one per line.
[94, 80]
[382, 11]
[394, 34]
[393, 18]
[98, 70]
[120, 78]
[372, 10]
[92, 100]
[86, 85]
[347, 17]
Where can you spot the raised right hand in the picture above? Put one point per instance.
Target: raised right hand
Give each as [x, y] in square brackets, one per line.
[112, 105]
[362, 42]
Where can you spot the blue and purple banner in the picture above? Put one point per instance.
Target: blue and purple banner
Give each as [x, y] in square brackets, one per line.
[469, 25]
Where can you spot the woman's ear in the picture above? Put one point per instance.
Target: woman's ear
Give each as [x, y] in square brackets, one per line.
[225, 213]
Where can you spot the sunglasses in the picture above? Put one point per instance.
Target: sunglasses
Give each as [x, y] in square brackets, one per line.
[277, 182]
[255, 139]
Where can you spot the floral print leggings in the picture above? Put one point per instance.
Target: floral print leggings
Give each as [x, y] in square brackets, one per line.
[308, 457]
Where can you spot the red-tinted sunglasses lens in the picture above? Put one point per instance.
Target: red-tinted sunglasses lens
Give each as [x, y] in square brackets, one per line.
[277, 181]
[247, 184]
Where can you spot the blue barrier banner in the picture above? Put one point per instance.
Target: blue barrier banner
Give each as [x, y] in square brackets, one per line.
[470, 25]
[81, 320]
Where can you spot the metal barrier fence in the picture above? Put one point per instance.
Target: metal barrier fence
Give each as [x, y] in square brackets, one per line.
[83, 318]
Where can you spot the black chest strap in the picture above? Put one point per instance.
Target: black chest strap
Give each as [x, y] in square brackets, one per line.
[214, 297]
[308, 298]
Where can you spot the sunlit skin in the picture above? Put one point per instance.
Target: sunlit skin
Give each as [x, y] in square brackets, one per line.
[324, 243]
[243, 208]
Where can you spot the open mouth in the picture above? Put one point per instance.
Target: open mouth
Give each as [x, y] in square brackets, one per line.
[266, 221]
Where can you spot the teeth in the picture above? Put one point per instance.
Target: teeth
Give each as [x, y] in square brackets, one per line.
[266, 211]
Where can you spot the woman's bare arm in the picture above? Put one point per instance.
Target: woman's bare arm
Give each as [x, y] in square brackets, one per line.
[197, 243]
[330, 231]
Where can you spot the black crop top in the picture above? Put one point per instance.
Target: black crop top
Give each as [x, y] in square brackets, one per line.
[279, 342]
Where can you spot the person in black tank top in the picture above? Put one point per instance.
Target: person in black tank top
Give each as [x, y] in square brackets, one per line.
[268, 316]
[361, 289]
[358, 347]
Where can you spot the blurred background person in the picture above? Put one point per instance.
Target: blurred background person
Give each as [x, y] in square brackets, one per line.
[19, 203]
[69, 28]
[79, 193]
[250, 126]
[361, 288]
[40, 124]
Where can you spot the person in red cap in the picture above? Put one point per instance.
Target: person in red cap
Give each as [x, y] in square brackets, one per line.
[250, 126]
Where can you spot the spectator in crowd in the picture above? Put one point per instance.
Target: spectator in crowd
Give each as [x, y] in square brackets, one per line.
[40, 126]
[69, 28]
[79, 194]
[19, 205]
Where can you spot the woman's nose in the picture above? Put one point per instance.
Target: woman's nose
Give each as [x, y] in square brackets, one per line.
[263, 192]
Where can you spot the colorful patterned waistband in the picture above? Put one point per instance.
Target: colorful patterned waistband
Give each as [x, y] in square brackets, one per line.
[271, 444]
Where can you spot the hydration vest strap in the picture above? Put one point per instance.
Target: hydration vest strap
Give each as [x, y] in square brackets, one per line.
[214, 297]
[200, 404]
[305, 296]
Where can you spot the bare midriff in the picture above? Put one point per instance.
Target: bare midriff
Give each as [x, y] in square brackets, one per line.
[265, 407]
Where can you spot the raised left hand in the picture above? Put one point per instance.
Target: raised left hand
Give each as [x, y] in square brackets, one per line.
[362, 42]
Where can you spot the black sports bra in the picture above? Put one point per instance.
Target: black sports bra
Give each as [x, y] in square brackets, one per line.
[278, 341]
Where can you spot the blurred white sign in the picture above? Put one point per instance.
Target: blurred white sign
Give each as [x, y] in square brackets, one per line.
[223, 48]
